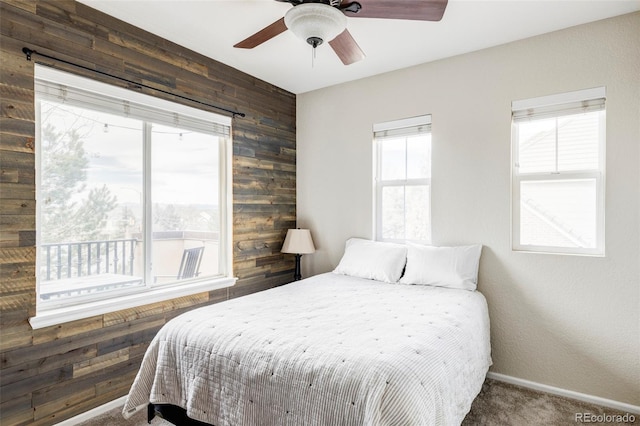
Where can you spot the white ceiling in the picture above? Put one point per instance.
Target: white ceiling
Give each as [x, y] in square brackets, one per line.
[212, 27]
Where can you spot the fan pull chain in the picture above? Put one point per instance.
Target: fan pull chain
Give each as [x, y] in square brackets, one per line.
[313, 56]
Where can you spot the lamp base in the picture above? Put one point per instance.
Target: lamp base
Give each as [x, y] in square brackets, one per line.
[297, 275]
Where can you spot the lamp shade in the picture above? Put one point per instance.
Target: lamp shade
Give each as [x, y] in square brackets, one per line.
[298, 241]
[315, 22]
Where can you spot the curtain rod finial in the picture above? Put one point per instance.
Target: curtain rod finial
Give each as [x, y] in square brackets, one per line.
[27, 52]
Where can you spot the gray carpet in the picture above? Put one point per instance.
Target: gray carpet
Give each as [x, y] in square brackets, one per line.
[498, 404]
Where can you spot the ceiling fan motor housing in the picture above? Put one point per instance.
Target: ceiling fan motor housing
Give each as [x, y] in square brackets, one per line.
[315, 22]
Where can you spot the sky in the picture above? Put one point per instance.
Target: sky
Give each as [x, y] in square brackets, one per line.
[184, 163]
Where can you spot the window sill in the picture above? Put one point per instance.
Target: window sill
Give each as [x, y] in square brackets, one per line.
[558, 251]
[99, 307]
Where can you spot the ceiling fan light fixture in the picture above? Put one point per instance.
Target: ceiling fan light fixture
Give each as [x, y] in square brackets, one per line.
[315, 22]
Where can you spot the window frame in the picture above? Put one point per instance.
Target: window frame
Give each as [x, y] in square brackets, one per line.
[559, 105]
[147, 293]
[412, 126]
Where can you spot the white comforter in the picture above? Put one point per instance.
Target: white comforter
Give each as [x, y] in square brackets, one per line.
[328, 350]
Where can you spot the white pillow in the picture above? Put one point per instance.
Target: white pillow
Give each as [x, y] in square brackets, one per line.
[372, 260]
[453, 267]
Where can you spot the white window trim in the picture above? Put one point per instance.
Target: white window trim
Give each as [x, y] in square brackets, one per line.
[599, 175]
[143, 296]
[379, 184]
[105, 306]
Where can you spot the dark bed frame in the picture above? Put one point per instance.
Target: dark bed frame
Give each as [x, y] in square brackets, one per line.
[173, 414]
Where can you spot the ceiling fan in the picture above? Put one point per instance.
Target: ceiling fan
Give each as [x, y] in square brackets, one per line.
[318, 21]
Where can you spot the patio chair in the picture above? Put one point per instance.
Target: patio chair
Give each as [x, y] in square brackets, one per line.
[190, 264]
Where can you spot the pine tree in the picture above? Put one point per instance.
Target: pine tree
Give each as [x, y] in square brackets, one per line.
[65, 215]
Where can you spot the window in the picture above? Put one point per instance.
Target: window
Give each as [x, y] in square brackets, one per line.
[403, 179]
[558, 173]
[132, 195]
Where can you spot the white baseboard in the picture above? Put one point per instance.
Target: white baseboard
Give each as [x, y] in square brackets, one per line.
[93, 412]
[591, 399]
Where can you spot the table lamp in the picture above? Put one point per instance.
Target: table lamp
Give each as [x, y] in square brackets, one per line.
[299, 242]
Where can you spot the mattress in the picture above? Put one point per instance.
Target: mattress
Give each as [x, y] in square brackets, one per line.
[328, 350]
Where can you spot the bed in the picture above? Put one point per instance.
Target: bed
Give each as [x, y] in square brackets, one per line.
[333, 349]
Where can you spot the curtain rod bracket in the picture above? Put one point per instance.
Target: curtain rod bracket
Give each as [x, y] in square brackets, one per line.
[29, 52]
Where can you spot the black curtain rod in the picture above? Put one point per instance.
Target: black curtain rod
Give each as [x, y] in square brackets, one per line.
[30, 52]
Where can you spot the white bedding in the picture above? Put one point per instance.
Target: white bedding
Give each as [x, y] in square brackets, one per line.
[328, 350]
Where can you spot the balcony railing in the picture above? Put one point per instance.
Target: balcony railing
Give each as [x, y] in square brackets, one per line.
[88, 267]
[80, 270]
[73, 260]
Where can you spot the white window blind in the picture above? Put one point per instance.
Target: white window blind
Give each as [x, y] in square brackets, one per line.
[578, 102]
[63, 87]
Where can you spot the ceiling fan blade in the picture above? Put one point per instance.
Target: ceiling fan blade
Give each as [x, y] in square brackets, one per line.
[346, 48]
[267, 33]
[415, 10]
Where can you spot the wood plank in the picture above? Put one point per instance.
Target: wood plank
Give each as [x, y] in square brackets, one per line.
[9, 239]
[26, 35]
[29, 6]
[26, 238]
[16, 94]
[62, 345]
[17, 301]
[16, 411]
[60, 390]
[14, 338]
[143, 47]
[130, 340]
[23, 22]
[14, 319]
[17, 255]
[18, 110]
[17, 222]
[17, 191]
[16, 70]
[17, 285]
[77, 408]
[18, 207]
[16, 143]
[17, 271]
[270, 260]
[39, 366]
[249, 237]
[33, 383]
[283, 268]
[17, 127]
[263, 199]
[253, 164]
[119, 383]
[100, 362]
[68, 13]
[17, 167]
[67, 329]
[154, 309]
[54, 405]
[243, 290]
[265, 147]
[244, 130]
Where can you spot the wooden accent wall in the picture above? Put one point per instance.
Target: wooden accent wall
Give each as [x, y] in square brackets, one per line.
[52, 374]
